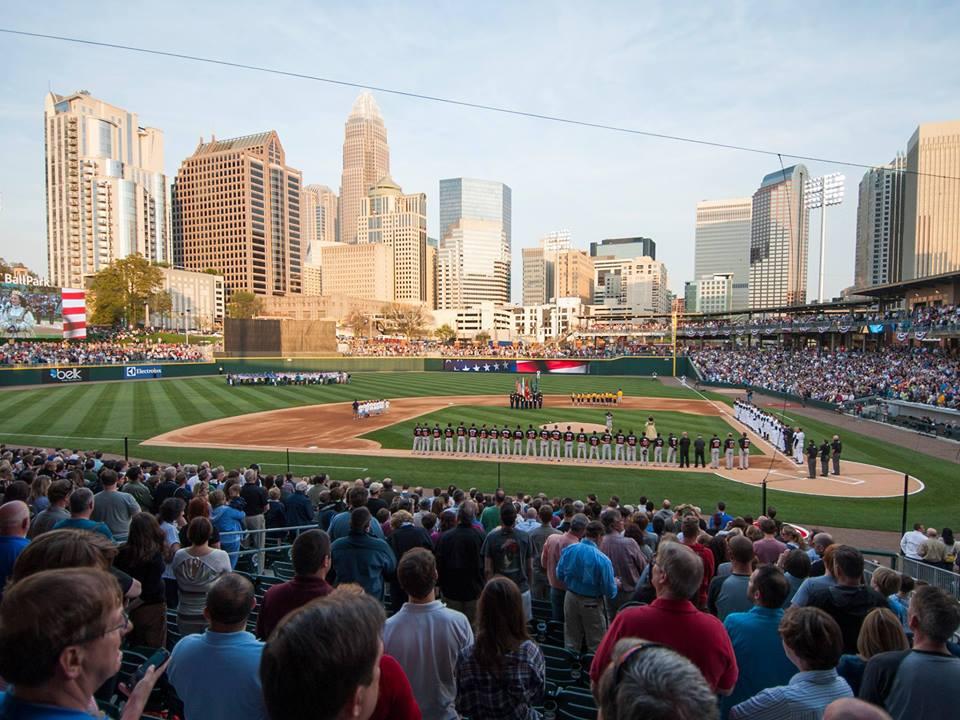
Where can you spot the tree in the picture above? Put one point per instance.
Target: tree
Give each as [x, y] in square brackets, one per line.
[15, 268]
[212, 271]
[244, 305]
[160, 303]
[122, 290]
[482, 337]
[358, 322]
[445, 334]
[407, 320]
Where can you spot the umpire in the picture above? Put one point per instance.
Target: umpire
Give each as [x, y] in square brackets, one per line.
[811, 459]
[684, 444]
[825, 459]
[836, 447]
[698, 455]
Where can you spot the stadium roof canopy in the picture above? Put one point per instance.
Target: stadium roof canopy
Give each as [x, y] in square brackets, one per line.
[946, 285]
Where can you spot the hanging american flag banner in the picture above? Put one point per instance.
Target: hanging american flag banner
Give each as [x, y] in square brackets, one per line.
[74, 314]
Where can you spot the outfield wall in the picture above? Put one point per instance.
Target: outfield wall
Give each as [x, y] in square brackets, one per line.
[71, 374]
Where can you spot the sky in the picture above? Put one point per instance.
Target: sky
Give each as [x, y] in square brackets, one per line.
[842, 81]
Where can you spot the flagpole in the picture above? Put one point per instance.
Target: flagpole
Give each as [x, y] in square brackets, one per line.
[674, 324]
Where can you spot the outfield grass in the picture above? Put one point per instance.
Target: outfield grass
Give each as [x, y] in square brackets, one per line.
[100, 415]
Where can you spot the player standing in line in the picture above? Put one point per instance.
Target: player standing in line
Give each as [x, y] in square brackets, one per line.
[728, 445]
[658, 450]
[568, 443]
[484, 439]
[594, 446]
[555, 436]
[606, 440]
[437, 433]
[505, 436]
[472, 434]
[715, 451]
[825, 459]
[744, 452]
[581, 445]
[811, 450]
[461, 438]
[672, 449]
[544, 443]
[644, 450]
[531, 442]
[798, 439]
[631, 447]
[836, 447]
[621, 441]
[416, 439]
[518, 441]
[494, 447]
[619, 396]
[609, 420]
[448, 439]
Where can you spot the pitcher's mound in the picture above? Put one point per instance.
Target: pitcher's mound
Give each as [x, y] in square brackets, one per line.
[577, 426]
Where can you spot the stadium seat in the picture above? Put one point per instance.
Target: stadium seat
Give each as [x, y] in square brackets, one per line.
[586, 660]
[542, 610]
[283, 570]
[563, 666]
[632, 603]
[574, 704]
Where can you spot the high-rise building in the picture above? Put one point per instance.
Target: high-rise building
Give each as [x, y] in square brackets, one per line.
[637, 284]
[106, 191]
[389, 217]
[236, 208]
[779, 232]
[880, 224]
[573, 275]
[554, 242]
[710, 293]
[722, 244]
[366, 159]
[473, 261]
[318, 219]
[624, 248]
[537, 276]
[362, 271]
[932, 201]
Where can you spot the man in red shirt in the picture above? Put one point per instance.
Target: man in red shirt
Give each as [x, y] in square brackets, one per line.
[550, 558]
[690, 527]
[311, 563]
[672, 620]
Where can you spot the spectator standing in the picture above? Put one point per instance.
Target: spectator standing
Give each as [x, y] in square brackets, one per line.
[690, 527]
[134, 486]
[226, 645]
[298, 508]
[769, 549]
[376, 503]
[276, 515]
[171, 522]
[196, 568]
[881, 632]
[755, 636]
[626, 556]
[849, 601]
[503, 673]
[812, 584]
[506, 551]
[821, 541]
[311, 563]
[490, 516]
[588, 576]
[730, 593]
[460, 563]
[81, 508]
[921, 682]
[255, 499]
[672, 620]
[113, 507]
[813, 642]
[933, 551]
[340, 523]
[426, 638]
[404, 537]
[166, 487]
[229, 522]
[911, 541]
[14, 525]
[58, 495]
[550, 558]
[141, 557]
[361, 558]
[539, 583]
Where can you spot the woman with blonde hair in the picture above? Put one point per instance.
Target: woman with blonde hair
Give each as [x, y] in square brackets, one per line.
[881, 632]
[38, 500]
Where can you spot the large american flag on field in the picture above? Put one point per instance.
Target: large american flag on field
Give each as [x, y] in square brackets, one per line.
[74, 313]
[480, 365]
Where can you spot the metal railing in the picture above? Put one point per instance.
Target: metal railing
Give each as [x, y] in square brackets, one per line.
[923, 572]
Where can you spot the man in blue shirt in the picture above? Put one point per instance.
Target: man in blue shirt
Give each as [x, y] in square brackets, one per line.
[340, 524]
[14, 524]
[588, 575]
[756, 639]
[360, 558]
[226, 646]
[81, 508]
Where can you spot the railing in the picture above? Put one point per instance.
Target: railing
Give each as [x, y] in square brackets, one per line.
[920, 571]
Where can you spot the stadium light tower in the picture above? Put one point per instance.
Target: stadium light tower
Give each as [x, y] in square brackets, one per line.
[821, 192]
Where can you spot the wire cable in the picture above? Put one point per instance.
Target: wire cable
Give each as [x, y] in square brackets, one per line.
[466, 103]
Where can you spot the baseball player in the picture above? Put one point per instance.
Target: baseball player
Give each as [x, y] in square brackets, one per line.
[448, 439]
[555, 436]
[658, 450]
[484, 439]
[437, 434]
[672, 443]
[715, 451]
[531, 442]
[798, 443]
[494, 448]
[544, 443]
[505, 436]
[517, 442]
[631, 447]
[609, 420]
[811, 451]
[594, 446]
[644, 450]
[621, 442]
[461, 438]
[581, 445]
[416, 439]
[744, 452]
[472, 434]
[728, 445]
[568, 443]
[606, 440]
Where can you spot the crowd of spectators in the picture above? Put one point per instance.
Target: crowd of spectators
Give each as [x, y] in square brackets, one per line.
[392, 347]
[920, 375]
[410, 602]
[97, 352]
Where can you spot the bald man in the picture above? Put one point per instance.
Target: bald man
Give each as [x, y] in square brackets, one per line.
[14, 524]
[853, 709]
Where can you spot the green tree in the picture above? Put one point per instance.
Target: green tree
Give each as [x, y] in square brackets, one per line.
[445, 334]
[122, 290]
[244, 305]
[160, 304]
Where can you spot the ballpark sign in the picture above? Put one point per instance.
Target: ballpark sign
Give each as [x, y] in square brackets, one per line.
[132, 372]
[65, 375]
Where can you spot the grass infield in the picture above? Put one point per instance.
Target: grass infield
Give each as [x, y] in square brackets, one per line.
[100, 415]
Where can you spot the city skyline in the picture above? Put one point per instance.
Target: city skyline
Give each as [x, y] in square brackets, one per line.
[597, 184]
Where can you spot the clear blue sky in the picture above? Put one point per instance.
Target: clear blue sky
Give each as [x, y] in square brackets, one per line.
[841, 80]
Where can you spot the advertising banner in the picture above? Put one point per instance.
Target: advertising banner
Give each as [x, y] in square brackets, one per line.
[65, 376]
[553, 366]
[132, 372]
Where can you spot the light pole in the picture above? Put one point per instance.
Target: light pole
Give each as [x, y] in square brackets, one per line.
[186, 326]
[821, 192]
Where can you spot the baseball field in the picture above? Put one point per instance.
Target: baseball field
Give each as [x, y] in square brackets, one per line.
[312, 429]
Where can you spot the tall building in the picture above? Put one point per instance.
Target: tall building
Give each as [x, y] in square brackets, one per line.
[537, 276]
[624, 248]
[318, 219]
[366, 159]
[389, 217]
[932, 201]
[710, 294]
[106, 191]
[554, 242]
[722, 244]
[779, 232]
[236, 208]
[362, 271]
[573, 275]
[637, 284]
[880, 224]
[473, 260]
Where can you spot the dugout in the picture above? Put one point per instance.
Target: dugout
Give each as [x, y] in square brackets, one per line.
[279, 337]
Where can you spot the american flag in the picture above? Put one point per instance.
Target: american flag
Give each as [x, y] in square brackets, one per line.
[74, 313]
[480, 365]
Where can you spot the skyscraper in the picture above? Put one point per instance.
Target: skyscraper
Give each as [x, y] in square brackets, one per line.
[318, 219]
[388, 216]
[573, 275]
[624, 248]
[639, 285]
[366, 159]
[779, 232]
[106, 191]
[880, 224]
[236, 208]
[722, 244]
[932, 201]
[537, 277]
[473, 260]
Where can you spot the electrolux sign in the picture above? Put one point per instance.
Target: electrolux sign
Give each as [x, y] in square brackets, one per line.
[65, 375]
[133, 372]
